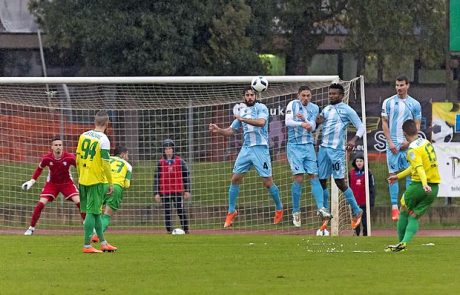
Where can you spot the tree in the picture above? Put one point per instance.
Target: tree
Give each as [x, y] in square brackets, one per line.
[396, 31]
[129, 37]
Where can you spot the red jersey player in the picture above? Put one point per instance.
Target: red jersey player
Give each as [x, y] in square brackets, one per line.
[59, 180]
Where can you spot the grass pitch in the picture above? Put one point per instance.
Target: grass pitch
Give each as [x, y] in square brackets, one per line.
[228, 264]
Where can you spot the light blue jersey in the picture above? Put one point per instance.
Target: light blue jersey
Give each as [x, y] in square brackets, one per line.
[336, 119]
[397, 111]
[253, 135]
[296, 133]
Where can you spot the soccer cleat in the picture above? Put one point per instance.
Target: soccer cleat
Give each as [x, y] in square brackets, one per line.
[296, 220]
[108, 248]
[400, 247]
[229, 219]
[356, 220]
[29, 231]
[324, 225]
[90, 250]
[278, 216]
[95, 239]
[395, 214]
[324, 213]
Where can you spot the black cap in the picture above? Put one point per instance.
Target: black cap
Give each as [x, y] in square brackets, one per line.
[357, 155]
[168, 143]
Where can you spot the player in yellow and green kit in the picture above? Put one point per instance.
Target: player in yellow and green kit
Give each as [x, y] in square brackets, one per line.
[94, 173]
[121, 177]
[423, 190]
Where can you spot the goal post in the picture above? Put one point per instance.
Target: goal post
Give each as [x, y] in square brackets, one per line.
[144, 111]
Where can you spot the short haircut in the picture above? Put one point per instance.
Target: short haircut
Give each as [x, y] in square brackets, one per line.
[119, 150]
[246, 88]
[402, 78]
[337, 86]
[410, 128]
[55, 137]
[303, 87]
[101, 118]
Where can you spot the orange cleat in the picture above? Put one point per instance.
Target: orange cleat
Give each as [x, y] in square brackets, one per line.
[95, 239]
[229, 219]
[395, 214]
[356, 220]
[91, 250]
[108, 248]
[324, 225]
[278, 216]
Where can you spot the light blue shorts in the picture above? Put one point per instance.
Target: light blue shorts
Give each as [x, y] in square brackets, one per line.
[257, 156]
[331, 162]
[397, 162]
[302, 158]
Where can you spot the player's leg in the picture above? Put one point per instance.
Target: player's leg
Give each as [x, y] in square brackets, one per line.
[241, 166]
[112, 204]
[311, 167]
[364, 220]
[295, 154]
[181, 211]
[393, 163]
[324, 172]
[36, 215]
[167, 199]
[70, 192]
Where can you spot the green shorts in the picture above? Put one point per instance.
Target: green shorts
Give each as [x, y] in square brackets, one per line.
[114, 200]
[92, 197]
[417, 200]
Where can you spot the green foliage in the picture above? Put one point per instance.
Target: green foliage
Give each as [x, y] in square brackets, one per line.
[399, 30]
[228, 264]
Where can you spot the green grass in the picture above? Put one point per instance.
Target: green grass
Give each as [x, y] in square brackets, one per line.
[228, 264]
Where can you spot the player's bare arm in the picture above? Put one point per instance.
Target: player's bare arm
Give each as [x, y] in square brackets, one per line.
[225, 132]
[352, 143]
[386, 132]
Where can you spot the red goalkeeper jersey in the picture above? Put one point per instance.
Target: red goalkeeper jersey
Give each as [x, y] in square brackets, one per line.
[59, 169]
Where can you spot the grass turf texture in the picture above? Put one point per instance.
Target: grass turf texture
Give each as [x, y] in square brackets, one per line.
[228, 264]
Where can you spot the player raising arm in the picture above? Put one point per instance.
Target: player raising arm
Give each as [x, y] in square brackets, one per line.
[59, 180]
[423, 189]
[94, 172]
[253, 119]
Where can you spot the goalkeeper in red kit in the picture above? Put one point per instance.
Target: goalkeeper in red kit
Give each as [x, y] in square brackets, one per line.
[59, 180]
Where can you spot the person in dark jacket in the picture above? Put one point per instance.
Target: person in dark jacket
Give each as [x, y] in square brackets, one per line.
[172, 185]
[357, 182]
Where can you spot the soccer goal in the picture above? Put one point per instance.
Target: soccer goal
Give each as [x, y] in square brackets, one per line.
[144, 111]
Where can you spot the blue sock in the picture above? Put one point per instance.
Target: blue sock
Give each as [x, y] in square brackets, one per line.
[326, 198]
[275, 194]
[296, 193]
[233, 193]
[394, 190]
[348, 193]
[408, 181]
[317, 192]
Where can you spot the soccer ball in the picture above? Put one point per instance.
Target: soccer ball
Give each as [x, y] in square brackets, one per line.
[178, 231]
[441, 132]
[259, 83]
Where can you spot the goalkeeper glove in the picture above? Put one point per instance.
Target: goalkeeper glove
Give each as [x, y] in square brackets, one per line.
[28, 184]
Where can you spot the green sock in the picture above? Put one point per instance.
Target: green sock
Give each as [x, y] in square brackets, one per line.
[411, 230]
[98, 227]
[402, 224]
[88, 227]
[105, 221]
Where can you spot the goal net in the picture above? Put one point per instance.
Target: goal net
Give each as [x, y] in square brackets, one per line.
[144, 111]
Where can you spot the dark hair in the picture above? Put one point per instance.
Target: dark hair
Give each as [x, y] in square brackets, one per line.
[410, 128]
[55, 137]
[303, 87]
[246, 88]
[337, 86]
[402, 78]
[358, 155]
[168, 143]
[119, 150]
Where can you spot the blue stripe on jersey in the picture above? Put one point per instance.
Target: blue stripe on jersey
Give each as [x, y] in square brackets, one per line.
[298, 134]
[336, 119]
[398, 111]
[253, 135]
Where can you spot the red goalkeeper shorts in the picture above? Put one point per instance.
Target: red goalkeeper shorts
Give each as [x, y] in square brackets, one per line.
[51, 191]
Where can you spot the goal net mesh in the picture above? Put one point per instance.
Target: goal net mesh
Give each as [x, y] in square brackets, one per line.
[142, 117]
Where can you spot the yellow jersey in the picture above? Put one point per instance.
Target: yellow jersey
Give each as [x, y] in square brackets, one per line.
[121, 171]
[421, 154]
[92, 150]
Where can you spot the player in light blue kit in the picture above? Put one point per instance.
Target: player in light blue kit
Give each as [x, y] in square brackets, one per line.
[300, 122]
[335, 118]
[395, 111]
[253, 119]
